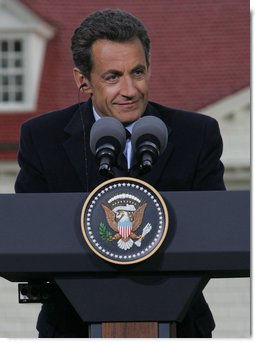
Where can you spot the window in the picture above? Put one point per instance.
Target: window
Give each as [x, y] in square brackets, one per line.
[12, 85]
[23, 39]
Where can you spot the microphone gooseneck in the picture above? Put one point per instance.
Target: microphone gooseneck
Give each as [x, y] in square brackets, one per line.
[107, 142]
[149, 140]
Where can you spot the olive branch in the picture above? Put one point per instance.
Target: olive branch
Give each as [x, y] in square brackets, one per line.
[104, 233]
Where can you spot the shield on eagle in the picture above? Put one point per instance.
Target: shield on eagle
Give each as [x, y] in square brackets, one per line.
[125, 228]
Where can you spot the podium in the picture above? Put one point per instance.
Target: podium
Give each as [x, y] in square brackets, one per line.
[208, 237]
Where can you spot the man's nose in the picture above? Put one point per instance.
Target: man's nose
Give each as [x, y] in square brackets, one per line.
[128, 88]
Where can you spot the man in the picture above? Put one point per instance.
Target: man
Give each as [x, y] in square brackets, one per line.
[111, 52]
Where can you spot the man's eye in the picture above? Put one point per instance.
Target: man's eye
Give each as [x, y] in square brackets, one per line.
[139, 72]
[111, 78]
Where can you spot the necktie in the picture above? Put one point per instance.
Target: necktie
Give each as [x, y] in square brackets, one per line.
[128, 134]
[128, 149]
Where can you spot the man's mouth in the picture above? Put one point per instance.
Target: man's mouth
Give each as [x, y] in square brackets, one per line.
[128, 104]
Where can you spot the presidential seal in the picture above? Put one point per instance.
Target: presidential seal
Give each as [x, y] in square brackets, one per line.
[124, 220]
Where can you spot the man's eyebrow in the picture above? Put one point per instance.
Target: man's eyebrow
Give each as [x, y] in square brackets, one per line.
[139, 66]
[111, 71]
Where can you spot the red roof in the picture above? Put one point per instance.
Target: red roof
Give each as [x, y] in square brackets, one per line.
[200, 53]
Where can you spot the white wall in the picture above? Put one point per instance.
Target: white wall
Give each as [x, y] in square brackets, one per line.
[229, 300]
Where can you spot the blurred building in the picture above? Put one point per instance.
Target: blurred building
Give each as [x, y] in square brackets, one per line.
[200, 61]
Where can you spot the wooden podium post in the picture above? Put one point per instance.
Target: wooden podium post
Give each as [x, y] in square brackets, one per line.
[130, 330]
[133, 330]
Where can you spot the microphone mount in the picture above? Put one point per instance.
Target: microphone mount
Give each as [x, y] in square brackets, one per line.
[147, 154]
[107, 142]
[149, 140]
[106, 157]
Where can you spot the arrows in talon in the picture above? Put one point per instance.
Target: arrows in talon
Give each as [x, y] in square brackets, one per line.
[146, 230]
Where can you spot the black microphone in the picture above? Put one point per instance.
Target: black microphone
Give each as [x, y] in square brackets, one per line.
[149, 140]
[107, 142]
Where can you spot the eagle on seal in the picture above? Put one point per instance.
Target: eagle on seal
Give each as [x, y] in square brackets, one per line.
[124, 222]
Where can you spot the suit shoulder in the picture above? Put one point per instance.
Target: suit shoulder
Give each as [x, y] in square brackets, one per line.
[179, 116]
[58, 117]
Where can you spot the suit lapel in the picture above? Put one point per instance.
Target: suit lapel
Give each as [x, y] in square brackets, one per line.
[77, 146]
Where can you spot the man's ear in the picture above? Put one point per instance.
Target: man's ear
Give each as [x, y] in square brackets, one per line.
[81, 81]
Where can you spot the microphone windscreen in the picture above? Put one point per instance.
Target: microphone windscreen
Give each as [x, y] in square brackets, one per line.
[107, 127]
[150, 126]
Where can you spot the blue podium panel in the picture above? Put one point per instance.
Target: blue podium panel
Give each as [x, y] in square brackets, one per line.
[41, 237]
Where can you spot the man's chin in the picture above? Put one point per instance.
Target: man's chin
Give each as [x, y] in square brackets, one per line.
[129, 121]
[127, 118]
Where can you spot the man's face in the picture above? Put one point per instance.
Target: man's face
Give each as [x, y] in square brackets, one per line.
[119, 79]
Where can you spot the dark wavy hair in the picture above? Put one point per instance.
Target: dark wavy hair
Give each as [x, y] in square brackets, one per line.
[112, 24]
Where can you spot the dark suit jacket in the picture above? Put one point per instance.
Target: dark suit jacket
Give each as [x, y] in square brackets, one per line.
[54, 156]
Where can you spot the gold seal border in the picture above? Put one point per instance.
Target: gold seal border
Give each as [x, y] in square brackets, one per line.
[126, 179]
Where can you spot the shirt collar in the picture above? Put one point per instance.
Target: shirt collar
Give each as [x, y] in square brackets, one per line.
[96, 115]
